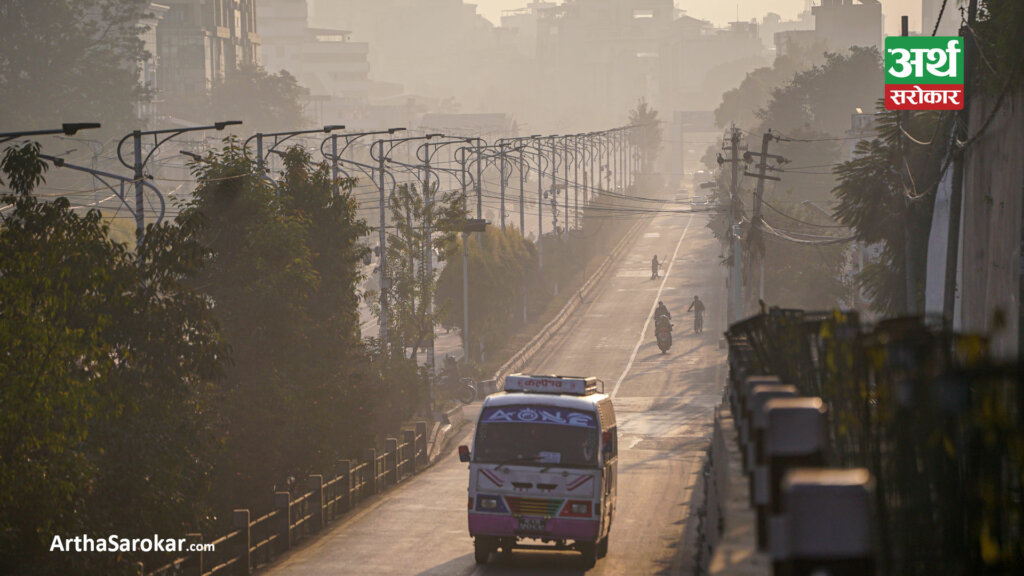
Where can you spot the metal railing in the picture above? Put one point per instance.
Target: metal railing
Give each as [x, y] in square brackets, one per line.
[939, 426]
[254, 542]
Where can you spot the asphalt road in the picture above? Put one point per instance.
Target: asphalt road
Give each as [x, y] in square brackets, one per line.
[664, 406]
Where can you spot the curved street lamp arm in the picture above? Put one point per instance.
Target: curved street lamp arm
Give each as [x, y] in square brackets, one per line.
[171, 133]
[101, 175]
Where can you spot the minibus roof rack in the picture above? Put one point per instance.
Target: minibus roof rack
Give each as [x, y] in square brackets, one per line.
[552, 384]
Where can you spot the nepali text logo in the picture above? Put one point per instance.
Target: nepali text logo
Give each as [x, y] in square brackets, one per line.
[924, 73]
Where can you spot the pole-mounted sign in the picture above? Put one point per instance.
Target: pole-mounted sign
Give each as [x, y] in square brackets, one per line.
[924, 73]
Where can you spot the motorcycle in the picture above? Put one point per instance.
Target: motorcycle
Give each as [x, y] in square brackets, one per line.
[663, 332]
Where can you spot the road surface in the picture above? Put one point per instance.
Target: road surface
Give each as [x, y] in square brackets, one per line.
[664, 405]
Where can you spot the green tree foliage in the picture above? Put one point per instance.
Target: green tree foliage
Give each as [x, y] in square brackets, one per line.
[264, 102]
[282, 272]
[70, 61]
[648, 138]
[108, 362]
[740, 105]
[812, 108]
[410, 320]
[501, 270]
[1001, 44]
[886, 196]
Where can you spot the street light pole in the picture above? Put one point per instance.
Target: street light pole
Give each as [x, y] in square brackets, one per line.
[280, 138]
[67, 129]
[382, 298]
[139, 162]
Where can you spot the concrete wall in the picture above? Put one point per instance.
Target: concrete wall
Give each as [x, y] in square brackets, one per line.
[992, 215]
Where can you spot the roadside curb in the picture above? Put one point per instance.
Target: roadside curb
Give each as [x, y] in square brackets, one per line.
[447, 429]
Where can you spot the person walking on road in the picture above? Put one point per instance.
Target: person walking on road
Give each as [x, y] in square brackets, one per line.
[698, 309]
[654, 267]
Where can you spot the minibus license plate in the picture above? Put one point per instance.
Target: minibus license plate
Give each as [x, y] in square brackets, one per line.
[529, 524]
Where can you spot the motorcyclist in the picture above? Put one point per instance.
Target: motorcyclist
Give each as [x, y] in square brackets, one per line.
[654, 267]
[661, 314]
[450, 372]
[698, 308]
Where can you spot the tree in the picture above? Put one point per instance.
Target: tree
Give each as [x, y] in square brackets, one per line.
[282, 273]
[108, 361]
[411, 316]
[500, 270]
[71, 60]
[264, 102]
[648, 138]
[886, 195]
[811, 108]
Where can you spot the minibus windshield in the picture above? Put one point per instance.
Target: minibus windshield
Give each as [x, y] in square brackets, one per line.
[537, 435]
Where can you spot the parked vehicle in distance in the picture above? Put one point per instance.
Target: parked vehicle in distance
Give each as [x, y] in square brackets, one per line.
[543, 469]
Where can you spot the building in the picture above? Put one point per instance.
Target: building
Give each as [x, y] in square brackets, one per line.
[842, 23]
[838, 25]
[335, 69]
[772, 24]
[726, 55]
[198, 43]
[148, 67]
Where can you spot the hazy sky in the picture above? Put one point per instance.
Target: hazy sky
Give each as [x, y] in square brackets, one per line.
[722, 11]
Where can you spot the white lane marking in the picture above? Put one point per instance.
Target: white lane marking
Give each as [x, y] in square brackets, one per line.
[650, 314]
[652, 235]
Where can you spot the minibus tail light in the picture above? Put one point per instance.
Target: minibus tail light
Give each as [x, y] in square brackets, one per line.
[580, 508]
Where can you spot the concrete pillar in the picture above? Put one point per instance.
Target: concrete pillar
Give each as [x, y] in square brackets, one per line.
[740, 409]
[756, 419]
[315, 483]
[283, 505]
[345, 486]
[409, 440]
[371, 466]
[240, 522]
[794, 436]
[826, 525]
[391, 461]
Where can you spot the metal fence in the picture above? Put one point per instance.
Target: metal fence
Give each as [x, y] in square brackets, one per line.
[253, 542]
[938, 424]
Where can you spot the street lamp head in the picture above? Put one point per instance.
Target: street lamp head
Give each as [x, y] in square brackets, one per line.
[535, 135]
[393, 130]
[69, 129]
[226, 123]
[191, 155]
[332, 127]
[437, 135]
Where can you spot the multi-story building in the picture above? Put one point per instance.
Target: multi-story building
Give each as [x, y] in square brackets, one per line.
[148, 67]
[838, 25]
[335, 69]
[200, 42]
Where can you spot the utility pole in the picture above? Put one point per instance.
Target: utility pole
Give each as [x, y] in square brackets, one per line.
[501, 183]
[428, 263]
[576, 181]
[382, 261]
[908, 246]
[540, 204]
[522, 194]
[735, 312]
[956, 192]
[756, 219]
[565, 180]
